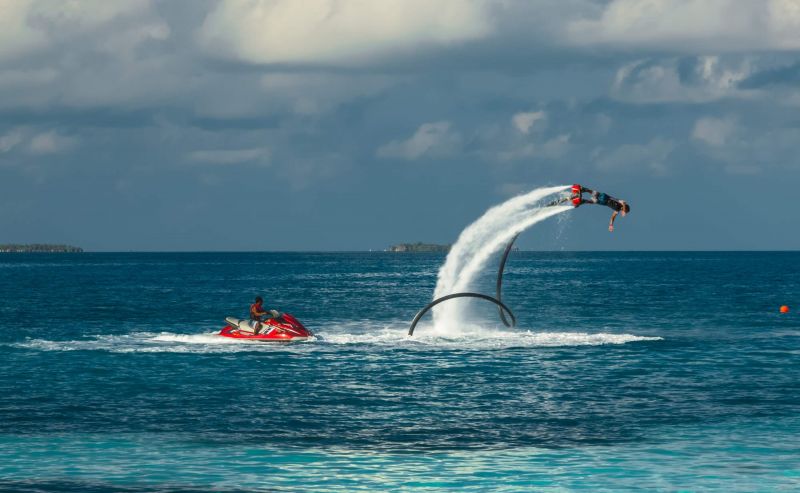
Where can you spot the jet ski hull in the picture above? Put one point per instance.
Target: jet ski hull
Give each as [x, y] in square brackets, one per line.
[284, 328]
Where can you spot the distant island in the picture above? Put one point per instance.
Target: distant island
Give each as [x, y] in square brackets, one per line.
[418, 248]
[39, 248]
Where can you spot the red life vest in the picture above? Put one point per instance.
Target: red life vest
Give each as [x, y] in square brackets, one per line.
[255, 308]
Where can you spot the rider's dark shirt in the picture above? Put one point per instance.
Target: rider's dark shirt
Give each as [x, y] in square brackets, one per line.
[614, 204]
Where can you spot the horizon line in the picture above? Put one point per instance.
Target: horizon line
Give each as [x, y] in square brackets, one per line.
[417, 253]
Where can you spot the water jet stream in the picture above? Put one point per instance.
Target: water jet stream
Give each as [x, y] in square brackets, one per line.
[500, 225]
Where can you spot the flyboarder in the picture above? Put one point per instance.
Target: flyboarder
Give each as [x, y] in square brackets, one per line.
[599, 198]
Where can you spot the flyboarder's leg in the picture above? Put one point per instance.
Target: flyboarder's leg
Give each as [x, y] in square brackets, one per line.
[595, 196]
[566, 198]
[558, 201]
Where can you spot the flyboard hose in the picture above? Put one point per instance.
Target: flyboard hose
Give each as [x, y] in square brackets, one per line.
[435, 302]
[499, 290]
[501, 307]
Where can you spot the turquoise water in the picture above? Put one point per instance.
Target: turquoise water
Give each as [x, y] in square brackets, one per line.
[628, 371]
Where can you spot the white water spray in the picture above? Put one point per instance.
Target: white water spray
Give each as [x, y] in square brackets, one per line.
[480, 241]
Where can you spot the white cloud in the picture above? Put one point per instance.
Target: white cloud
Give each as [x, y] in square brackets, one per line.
[551, 148]
[80, 53]
[524, 121]
[703, 79]
[632, 157]
[29, 25]
[83, 14]
[434, 139]
[231, 156]
[25, 78]
[714, 132]
[50, 143]
[746, 146]
[314, 93]
[524, 151]
[10, 140]
[16, 36]
[557, 146]
[692, 25]
[330, 31]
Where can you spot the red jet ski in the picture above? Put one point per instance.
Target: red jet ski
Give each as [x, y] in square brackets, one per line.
[281, 328]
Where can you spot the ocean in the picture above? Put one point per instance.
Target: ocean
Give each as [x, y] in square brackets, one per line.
[645, 371]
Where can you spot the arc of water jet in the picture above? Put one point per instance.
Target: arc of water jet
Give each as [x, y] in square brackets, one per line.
[512, 217]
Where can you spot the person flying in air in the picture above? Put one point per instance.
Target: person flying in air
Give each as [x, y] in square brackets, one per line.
[258, 315]
[599, 198]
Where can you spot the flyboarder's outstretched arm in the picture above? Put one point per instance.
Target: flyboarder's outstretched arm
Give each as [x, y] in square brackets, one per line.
[611, 224]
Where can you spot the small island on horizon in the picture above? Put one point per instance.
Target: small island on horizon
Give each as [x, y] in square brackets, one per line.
[419, 247]
[38, 248]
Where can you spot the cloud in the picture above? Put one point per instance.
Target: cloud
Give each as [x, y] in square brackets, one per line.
[747, 146]
[10, 140]
[524, 121]
[230, 156]
[714, 132]
[42, 143]
[551, 148]
[32, 25]
[329, 31]
[16, 36]
[51, 143]
[83, 53]
[695, 79]
[692, 25]
[778, 76]
[26, 78]
[314, 93]
[633, 157]
[434, 139]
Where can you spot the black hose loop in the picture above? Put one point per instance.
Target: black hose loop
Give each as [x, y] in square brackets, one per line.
[461, 295]
[499, 289]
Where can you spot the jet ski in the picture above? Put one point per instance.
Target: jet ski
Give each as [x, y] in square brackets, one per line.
[282, 327]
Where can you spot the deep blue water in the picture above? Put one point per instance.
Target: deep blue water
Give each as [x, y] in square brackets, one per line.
[648, 371]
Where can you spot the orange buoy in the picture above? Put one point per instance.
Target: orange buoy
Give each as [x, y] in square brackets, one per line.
[784, 309]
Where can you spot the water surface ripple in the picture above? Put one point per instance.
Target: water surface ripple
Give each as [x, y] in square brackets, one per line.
[657, 371]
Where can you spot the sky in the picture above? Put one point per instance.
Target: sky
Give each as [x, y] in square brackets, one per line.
[139, 125]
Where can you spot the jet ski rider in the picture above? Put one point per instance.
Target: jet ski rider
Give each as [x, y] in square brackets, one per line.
[258, 315]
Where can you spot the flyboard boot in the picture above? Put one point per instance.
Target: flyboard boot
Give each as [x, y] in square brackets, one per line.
[575, 197]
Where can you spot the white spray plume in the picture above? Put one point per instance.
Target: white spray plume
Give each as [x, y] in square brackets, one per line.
[480, 241]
